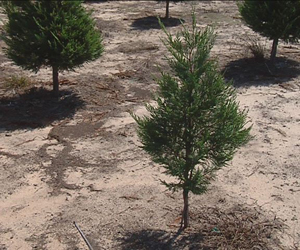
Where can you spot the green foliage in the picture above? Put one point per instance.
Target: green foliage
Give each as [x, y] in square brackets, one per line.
[196, 125]
[273, 19]
[58, 34]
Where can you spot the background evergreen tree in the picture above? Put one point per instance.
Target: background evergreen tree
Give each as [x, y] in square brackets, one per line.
[273, 19]
[196, 125]
[58, 34]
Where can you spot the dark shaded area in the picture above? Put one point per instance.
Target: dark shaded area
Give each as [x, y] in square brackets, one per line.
[212, 228]
[36, 108]
[249, 71]
[147, 239]
[151, 22]
[162, 240]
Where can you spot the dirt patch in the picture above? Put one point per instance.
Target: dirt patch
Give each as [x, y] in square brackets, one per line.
[137, 47]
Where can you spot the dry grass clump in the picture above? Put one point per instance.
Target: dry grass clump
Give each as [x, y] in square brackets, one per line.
[238, 228]
[17, 82]
[254, 46]
[257, 49]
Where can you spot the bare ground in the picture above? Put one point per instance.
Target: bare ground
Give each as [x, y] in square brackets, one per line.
[77, 159]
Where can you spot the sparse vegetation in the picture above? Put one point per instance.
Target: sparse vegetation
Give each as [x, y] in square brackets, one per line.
[257, 49]
[254, 47]
[17, 82]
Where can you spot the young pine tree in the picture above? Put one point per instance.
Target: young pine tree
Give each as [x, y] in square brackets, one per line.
[196, 125]
[274, 19]
[57, 34]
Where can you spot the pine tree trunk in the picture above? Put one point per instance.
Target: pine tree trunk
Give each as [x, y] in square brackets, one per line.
[185, 213]
[55, 80]
[274, 50]
[167, 9]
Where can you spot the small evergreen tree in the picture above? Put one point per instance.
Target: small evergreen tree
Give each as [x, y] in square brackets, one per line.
[196, 125]
[273, 19]
[58, 34]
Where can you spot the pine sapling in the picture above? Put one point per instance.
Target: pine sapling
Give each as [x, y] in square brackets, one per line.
[196, 125]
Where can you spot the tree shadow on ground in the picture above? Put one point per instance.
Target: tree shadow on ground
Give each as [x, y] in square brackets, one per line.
[249, 71]
[151, 22]
[146, 240]
[162, 240]
[36, 108]
[213, 228]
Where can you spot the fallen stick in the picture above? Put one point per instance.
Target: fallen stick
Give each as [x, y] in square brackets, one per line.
[83, 236]
[30, 140]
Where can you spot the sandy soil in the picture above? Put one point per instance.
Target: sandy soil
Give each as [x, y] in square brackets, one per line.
[77, 159]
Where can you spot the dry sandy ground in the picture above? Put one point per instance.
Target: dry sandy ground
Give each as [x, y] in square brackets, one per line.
[78, 159]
